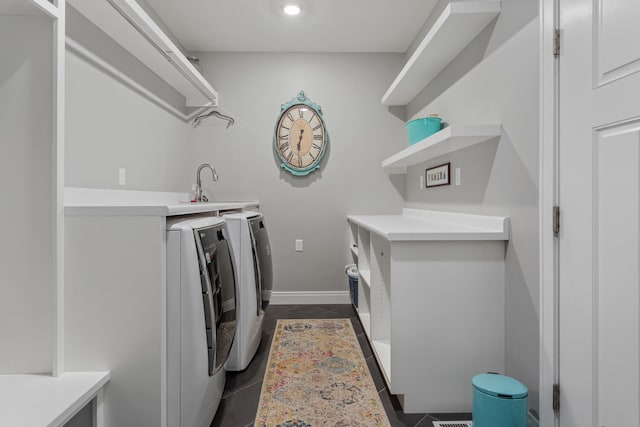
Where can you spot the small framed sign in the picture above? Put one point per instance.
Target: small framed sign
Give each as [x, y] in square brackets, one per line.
[437, 175]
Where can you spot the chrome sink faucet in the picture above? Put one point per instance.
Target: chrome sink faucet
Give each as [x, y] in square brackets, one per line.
[199, 196]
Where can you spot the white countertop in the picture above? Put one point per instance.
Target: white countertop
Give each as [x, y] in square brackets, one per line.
[418, 225]
[43, 400]
[97, 201]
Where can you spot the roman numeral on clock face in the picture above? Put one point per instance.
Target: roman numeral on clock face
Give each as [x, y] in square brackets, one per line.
[317, 127]
[290, 117]
[317, 137]
[284, 146]
[316, 146]
[290, 156]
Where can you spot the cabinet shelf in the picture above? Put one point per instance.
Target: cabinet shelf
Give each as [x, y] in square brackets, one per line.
[456, 27]
[382, 350]
[448, 140]
[131, 27]
[365, 275]
[365, 320]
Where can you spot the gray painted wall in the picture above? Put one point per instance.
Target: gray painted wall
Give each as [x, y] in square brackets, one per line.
[109, 125]
[495, 80]
[362, 133]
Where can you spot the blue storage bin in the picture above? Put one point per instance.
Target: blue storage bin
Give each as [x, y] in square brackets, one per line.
[499, 401]
[419, 129]
[352, 272]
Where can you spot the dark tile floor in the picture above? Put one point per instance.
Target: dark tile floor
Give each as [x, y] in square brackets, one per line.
[242, 390]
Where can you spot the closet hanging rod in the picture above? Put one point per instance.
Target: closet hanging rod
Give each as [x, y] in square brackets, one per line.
[216, 113]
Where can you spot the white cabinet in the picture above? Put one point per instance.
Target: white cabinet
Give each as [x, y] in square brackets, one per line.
[431, 302]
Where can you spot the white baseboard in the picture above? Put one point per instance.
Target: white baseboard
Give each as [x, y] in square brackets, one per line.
[310, 297]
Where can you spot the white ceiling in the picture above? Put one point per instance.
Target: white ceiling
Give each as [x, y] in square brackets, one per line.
[323, 25]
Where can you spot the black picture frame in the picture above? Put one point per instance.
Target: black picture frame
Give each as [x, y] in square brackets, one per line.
[438, 176]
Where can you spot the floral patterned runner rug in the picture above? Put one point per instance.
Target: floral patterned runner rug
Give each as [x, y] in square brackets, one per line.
[317, 376]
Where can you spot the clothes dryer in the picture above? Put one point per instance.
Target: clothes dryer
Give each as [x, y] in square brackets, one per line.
[252, 255]
[201, 318]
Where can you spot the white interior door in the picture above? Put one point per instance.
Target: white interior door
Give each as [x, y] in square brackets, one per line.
[599, 188]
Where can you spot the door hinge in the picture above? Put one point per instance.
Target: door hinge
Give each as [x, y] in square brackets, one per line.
[556, 397]
[556, 220]
[556, 42]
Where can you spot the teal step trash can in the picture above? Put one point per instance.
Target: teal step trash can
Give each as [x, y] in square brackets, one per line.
[499, 401]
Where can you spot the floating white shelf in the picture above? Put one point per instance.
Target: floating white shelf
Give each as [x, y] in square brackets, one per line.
[28, 7]
[456, 27]
[131, 27]
[448, 140]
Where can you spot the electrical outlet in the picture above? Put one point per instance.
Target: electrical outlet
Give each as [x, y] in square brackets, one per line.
[458, 176]
[122, 176]
[298, 245]
[422, 182]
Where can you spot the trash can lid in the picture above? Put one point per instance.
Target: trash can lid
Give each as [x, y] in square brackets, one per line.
[351, 270]
[500, 386]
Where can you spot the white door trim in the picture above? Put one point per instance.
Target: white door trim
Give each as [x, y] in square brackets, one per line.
[548, 197]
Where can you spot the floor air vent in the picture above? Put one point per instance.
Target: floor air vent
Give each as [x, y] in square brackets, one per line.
[452, 424]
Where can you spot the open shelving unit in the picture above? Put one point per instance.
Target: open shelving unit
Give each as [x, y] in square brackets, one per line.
[430, 277]
[456, 27]
[130, 26]
[448, 140]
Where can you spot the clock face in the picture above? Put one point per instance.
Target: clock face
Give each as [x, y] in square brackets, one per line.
[300, 139]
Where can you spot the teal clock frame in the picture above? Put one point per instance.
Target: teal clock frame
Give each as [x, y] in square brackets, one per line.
[301, 99]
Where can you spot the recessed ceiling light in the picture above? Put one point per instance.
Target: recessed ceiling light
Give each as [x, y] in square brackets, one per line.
[291, 9]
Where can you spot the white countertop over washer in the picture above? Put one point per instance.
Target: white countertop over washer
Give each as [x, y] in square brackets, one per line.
[98, 201]
[417, 224]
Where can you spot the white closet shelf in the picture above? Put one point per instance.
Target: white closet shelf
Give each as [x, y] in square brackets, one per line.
[28, 7]
[456, 27]
[448, 140]
[131, 27]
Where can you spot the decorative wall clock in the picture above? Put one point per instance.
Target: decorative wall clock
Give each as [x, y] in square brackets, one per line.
[300, 136]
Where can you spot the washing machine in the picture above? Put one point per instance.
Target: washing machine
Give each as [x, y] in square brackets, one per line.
[252, 255]
[201, 317]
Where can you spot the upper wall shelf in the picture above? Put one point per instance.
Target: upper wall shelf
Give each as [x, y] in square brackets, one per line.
[28, 7]
[456, 27]
[448, 140]
[131, 27]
